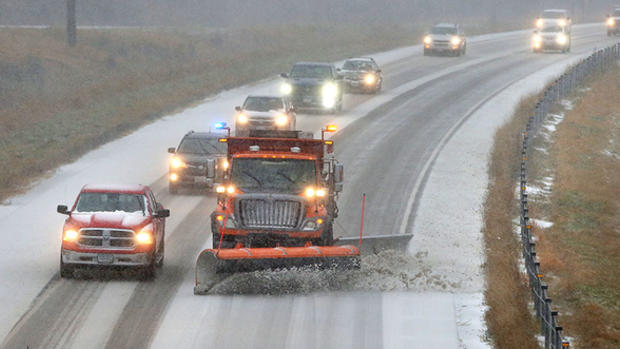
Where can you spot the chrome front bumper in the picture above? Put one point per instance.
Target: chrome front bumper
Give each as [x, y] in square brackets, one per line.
[105, 259]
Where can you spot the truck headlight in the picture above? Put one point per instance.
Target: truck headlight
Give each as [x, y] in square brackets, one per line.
[428, 40]
[611, 22]
[370, 79]
[281, 120]
[242, 118]
[329, 92]
[70, 235]
[455, 40]
[561, 39]
[312, 224]
[145, 236]
[562, 22]
[286, 88]
[224, 164]
[312, 192]
[176, 162]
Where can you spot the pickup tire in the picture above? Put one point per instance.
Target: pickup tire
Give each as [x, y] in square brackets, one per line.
[66, 271]
[147, 272]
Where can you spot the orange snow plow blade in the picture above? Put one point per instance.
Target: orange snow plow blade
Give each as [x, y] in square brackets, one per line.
[213, 266]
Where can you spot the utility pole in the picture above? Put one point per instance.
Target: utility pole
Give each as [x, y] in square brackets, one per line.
[71, 24]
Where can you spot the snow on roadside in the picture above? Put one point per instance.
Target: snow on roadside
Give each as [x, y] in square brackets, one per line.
[450, 208]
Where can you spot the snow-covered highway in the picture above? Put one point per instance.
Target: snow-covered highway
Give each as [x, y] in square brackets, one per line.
[418, 150]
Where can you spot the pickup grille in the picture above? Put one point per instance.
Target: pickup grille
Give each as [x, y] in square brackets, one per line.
[105, 238]
[269, 213]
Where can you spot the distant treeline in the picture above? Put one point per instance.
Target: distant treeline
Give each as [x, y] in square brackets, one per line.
[225, 13]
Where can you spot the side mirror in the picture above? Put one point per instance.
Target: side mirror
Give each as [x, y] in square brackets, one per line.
[338, 176]
[284, 75]
[62, 209]
[210, 168]
[238, 108]
[171, 150]
[162, 213]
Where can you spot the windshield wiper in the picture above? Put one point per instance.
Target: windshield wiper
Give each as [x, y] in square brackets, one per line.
[285, 177]
[253, 177]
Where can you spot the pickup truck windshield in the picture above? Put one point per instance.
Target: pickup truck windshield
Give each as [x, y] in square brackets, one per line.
[202, 146]
[443, 30]
[273, 175]
[111, 202]
[552, 29]
[305, 71]
[263, 104]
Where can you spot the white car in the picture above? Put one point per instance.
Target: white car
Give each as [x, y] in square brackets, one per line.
[445, 38]
[553, 17]
[551, 37]
[264, 113]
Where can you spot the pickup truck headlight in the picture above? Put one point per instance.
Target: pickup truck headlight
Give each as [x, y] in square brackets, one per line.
[70, 235]
[455, 40]
[145, 236]
[561, 39]
[286, 88]
[562, 22]
[329, 92]
[611, 22]
[428, 40]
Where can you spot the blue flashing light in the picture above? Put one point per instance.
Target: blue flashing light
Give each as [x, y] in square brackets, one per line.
[220, 125]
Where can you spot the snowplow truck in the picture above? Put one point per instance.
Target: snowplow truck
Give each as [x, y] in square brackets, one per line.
[276, 208]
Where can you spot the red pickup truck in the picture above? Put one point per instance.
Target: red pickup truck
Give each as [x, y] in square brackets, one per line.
[113, 225]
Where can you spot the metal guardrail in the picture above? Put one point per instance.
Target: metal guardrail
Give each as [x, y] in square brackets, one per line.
[561, 87]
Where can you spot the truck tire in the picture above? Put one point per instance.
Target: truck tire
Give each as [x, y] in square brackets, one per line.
[160, 255]
[66, 271]
[147, 272]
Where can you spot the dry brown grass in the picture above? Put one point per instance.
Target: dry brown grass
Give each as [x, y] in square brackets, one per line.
[581, 252]
[508, 318]
[56, 104]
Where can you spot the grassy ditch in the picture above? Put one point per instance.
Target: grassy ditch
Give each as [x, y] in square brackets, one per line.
[580, 252]
[508, 318]
[58, 103]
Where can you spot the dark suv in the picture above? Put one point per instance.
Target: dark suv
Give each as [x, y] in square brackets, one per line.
[314, 85]
[200, 160]
[362, 74]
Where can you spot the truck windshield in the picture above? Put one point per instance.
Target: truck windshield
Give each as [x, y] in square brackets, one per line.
[311, 72]
[443, 30]
[263, 104]
[111, 202]
[202, 146]
[273, 175]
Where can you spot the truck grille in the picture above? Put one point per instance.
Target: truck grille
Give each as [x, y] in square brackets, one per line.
[269, 213]
[105, 238]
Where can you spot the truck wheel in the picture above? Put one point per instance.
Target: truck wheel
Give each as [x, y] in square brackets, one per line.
[173, 188]
[160, 255]
[148, 272]
[66, 271]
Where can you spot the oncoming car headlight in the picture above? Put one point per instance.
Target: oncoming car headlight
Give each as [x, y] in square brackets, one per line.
[281, 120]
[176, 162]
[611, 22]
[562, 22]
[370, 79]
[242, 118]
[70, 235]
[540, 23]
[428, 40]
[561, 39]
[329, 90]
[455, 40]
[286, 88]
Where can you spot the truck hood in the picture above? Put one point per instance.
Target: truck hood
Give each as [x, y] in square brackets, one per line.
[112, 220]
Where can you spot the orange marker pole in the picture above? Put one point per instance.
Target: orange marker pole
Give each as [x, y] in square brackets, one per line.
[362, 222]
